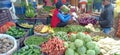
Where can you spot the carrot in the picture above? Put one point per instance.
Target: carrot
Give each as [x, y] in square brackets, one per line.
[54, 46]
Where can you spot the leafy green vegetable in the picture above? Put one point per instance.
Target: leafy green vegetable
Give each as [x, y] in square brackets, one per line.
[97, 50]
[91, 45]
[16, 32]
[35, 40]
[61, 35]
[88, 38]
[81, 36]
[29, 13]
[81, 50]
[77, 28]
[64, 29]
[69, 52]
[90, 52]
[28, 50]
[66, 44]
[76, 53]
[83, 54]
[72, 46]
[72, 37]
[83, 45]
[72, 28]
[78, 43]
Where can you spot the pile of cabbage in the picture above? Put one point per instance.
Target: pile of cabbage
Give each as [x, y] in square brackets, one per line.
[81, 44]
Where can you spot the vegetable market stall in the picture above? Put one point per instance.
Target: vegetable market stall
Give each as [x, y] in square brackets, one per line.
[36, 38]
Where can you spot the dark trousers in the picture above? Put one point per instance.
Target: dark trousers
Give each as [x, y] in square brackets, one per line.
[61, 24]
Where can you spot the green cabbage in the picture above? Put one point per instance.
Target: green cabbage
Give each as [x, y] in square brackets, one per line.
[87, 38]
[78, 43]
[72, 46]
[76, 53]
[81, 50]
[80, 36]
[69, 52]
[72, 37]
[83, 54]
[97, 50]
[90, 52]
[91, 45]
[66, 44]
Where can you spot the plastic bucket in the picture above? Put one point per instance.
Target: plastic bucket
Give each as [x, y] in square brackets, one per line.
[15, 44]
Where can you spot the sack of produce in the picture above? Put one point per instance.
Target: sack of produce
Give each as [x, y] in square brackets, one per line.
[8, 44]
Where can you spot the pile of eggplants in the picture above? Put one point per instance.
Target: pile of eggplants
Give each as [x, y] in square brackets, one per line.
[85, 21]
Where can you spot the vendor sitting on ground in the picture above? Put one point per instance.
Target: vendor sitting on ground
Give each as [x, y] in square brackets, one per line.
[59, 19]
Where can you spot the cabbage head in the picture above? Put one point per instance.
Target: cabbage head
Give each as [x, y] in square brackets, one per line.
[90, 52]
[78, 43]
[69, 52]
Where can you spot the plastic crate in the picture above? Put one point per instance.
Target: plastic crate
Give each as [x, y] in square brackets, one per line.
[5, 16]
[20, 10]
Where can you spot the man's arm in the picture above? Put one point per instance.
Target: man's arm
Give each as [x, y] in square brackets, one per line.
[64, 18]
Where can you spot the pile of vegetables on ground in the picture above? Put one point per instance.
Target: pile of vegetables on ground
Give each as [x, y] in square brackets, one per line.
[109, 46]
[72, 28]
[61, 35]
[16, 32]
[92, 28]
[85, 21]
[53, 46]
[6, 26]
[6, 44]
[28, 50]
[35, 40]
[81, 44]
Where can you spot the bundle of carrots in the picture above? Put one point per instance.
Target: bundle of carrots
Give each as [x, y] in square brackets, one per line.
[53, 46]
[6, 26]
